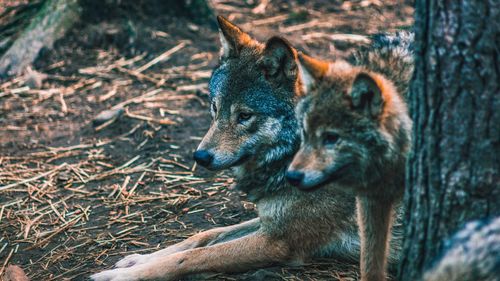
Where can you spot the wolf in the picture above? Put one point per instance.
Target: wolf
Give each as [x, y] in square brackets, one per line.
[254, 132]
[356, 133]
[471, 254]
[390, 54]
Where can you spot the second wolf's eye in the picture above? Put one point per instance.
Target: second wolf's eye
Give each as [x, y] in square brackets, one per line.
[330, 138]
[242, 117]
[214, 107]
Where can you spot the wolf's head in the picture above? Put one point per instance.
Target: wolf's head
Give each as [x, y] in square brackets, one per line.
[355, 127]
[253, 93]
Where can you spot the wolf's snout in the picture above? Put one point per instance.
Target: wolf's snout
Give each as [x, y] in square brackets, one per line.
[203, 157]
[295, 177]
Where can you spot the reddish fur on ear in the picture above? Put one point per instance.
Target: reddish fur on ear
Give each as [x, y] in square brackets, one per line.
[375, 95]
[232, 37]
[317, 68]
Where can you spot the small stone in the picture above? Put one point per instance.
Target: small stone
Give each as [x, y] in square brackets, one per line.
[34, 79]
[107, 115]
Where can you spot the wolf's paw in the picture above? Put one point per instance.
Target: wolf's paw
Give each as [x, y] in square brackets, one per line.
[131, 260]
[114, 275]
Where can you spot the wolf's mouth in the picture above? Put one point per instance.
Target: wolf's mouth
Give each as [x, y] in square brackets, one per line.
[241, 160]
[223, 166]
[337, 173]
[333, 175]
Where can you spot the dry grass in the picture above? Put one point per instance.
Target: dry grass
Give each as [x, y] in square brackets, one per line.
[95, 145]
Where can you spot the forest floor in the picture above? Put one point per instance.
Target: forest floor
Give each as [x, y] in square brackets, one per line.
[74, 198]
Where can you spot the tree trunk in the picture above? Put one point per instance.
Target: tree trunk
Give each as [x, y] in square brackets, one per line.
[50, 24]
[452, 174]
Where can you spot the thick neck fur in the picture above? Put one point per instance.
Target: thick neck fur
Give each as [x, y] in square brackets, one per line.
[264, 173]
[260, 181]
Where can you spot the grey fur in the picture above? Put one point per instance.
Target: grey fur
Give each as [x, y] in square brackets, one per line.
[322, 222]
[391, 54]
[472, 254]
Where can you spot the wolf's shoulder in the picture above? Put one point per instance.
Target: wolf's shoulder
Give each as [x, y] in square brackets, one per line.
[399, 43]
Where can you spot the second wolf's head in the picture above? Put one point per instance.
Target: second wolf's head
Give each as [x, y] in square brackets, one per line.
[356, 128]
[253, 93]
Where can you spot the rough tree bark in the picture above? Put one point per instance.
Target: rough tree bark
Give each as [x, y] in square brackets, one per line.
[50, 24]
[453, 170]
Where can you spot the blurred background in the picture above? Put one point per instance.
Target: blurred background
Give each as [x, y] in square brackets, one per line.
[102, 104]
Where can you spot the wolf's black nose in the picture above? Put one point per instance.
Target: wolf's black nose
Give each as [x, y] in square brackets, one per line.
[294, 177]
[203, 157]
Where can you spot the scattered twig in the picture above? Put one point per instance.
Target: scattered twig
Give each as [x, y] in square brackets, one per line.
[348, 38]
[163, 57]
[149, 119]
[6, 261]
[3, 188]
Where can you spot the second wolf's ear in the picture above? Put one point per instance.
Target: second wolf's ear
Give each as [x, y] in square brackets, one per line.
[311, 71]
[232, 38]
[366, 95]
[279, 61]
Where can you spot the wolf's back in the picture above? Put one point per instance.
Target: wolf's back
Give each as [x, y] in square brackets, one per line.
[390, 54]
[472, 254]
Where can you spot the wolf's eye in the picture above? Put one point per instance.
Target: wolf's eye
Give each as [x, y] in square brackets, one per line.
[214, 107]
[330, 138]
[242, 117]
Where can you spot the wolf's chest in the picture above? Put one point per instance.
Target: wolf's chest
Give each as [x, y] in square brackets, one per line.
[274, 209]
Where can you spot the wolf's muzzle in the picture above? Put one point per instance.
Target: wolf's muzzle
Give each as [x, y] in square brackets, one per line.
[203, 157]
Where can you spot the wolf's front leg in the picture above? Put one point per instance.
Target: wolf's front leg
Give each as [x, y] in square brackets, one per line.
[201, 239]
[249, 252]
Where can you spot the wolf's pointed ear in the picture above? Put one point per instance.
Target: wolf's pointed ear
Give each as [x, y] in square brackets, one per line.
[366, 95]
[279, 60]
[232, 38]
[311, 70]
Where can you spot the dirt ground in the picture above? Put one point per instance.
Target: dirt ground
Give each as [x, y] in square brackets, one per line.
[75, 198]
